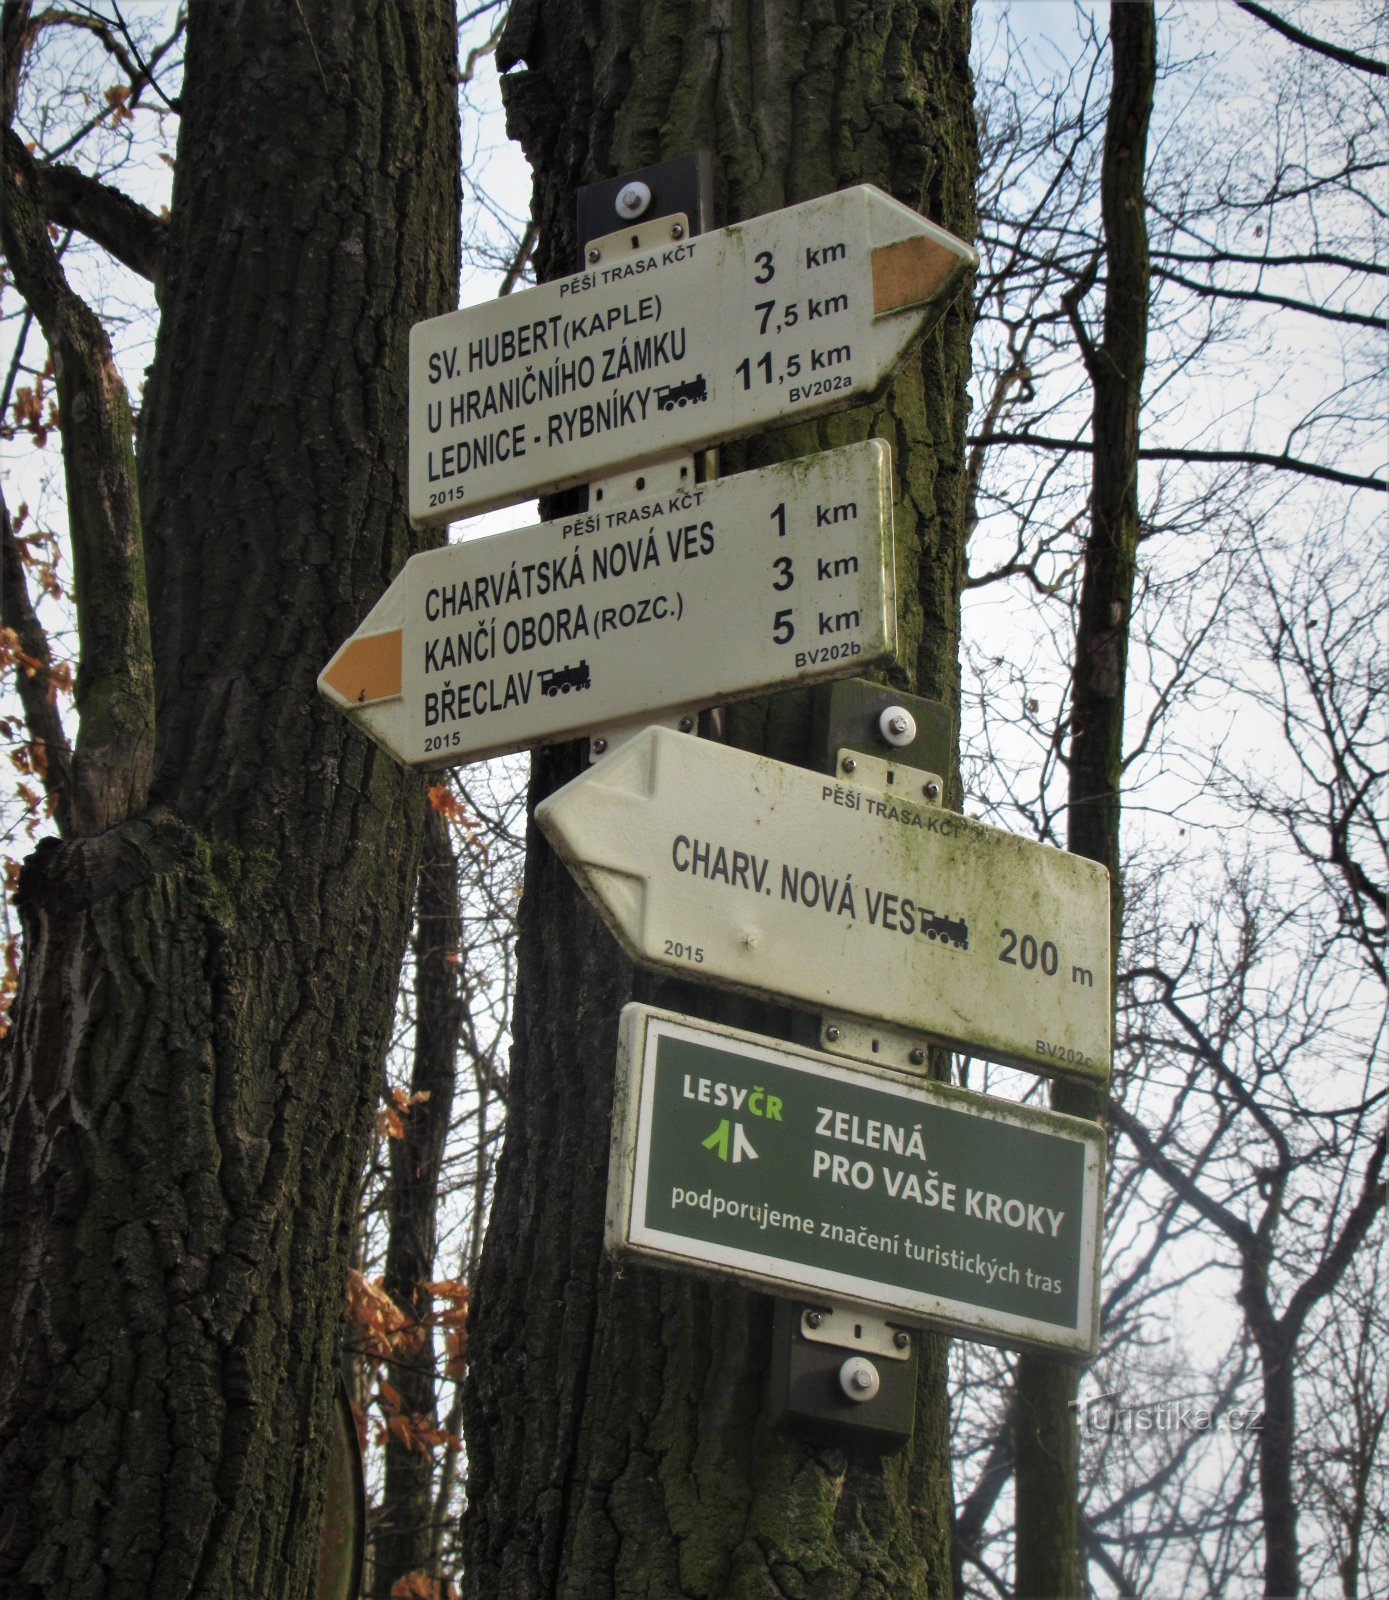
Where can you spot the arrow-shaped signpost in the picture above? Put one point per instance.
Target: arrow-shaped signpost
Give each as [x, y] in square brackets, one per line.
[652, 605]
[646, 609]
[842, 898]
[668, 343]
[863, 900]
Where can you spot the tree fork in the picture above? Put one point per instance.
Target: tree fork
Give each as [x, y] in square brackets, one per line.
[207, 984]
[614, 1422]
[114, 751]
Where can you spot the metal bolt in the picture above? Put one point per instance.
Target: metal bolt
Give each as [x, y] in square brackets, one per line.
[633, 200]
[594, 253]
[850, 765]
[676, 231]
[917, 1056]
[901, 1339]
[813, 1319]
[686, 723]
[932, 790]
[859, 1379]
[599, 746]
[897, 726]
[832, 1033]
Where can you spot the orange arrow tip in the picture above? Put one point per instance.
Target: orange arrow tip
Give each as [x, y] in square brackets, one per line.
[911, 272]
[367, 668]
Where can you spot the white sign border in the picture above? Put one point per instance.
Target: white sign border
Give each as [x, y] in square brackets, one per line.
[633, 1107]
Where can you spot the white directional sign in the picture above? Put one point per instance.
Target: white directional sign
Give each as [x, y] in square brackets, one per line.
[636, 610]
[864, 902]
[667, 343]
[745, 1157]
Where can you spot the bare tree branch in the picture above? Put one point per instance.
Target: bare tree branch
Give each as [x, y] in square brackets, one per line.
[1210, 291]
[1356, 1226]
[1249, 458]
[1310, 258]
[1322, 47]
[974, 1511]
[521, 259]
[115, 688]
[16, 35]
[47, 738]
[131, 232]
[1234, 1228]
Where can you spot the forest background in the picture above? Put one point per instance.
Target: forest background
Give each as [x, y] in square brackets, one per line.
[1244, 1220]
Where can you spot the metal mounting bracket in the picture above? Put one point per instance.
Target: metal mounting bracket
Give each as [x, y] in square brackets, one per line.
[844, 1373]
[889, 778]
[852, 1328]
[651, 233]
[873, 1043]
[849, 716]
[682, 186]
[659, 204]
[601, 741]
[667, 475]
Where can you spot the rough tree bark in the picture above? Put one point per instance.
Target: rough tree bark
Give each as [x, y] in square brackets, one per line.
[403, 1536]
[615, 1428]
[1045, 1424]
[211, 956]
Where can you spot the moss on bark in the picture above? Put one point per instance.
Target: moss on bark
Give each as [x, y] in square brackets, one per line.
[615, 1422]
[207, 987]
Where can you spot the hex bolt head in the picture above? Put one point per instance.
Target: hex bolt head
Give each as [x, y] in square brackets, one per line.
[632, 200]
[897, 726]
[859, 1379]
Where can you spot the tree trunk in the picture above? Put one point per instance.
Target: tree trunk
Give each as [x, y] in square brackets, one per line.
[403, 1538]
[615, 1422]
[1277, 1501]
[1048, 1474]
[208, 984]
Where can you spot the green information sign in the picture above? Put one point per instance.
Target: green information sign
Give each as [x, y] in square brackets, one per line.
[796, 1172]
